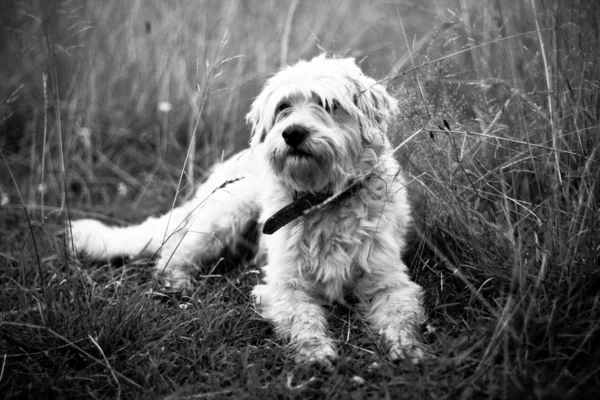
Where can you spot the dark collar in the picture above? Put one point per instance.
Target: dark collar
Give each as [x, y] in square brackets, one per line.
[305, 204]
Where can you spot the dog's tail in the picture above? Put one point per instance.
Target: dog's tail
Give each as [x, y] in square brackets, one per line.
[97, 241]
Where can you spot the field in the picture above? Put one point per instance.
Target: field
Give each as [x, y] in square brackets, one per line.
[116, 109]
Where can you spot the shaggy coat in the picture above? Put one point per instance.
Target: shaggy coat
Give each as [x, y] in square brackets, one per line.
[319, 131]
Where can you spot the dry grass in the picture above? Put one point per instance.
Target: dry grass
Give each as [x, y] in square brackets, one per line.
[506, 94]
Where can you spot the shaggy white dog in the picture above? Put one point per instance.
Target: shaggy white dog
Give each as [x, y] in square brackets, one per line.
[321, 180]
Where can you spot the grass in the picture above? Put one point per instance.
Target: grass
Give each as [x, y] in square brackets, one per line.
[506, 166]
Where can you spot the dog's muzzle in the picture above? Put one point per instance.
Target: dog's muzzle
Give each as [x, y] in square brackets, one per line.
[294, 135]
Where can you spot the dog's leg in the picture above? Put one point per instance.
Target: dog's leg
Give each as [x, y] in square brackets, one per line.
[298, 317]
[197, 232]
[221, 220]
[223, 209]
[391, 303]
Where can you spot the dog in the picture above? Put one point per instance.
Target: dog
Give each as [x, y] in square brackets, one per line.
[321, 181]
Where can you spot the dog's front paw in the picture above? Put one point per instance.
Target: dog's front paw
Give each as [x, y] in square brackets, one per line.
[411, 353]
[173, 279]
[321, 352]
[402, 345]
[84, 238]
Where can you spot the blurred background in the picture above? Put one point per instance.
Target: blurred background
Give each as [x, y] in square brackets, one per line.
[132, 84]
[100, 101]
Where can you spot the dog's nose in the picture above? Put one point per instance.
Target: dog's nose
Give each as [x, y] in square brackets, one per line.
[294, 135]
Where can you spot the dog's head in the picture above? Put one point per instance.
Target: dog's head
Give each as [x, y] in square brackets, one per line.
[317, 120]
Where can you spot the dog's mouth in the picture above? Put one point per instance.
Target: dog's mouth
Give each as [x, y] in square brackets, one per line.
[297, 153]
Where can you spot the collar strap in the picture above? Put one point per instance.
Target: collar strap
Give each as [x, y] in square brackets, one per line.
[306, 204]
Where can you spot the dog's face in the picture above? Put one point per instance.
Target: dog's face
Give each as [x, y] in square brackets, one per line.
[316, 119]
[313, 143]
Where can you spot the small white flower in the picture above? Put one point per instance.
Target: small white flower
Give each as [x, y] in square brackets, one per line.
[183, 306]
[165, 106]
[42, 188]
[358, 380]
[122, 189]
[373, 366]
[85, 133]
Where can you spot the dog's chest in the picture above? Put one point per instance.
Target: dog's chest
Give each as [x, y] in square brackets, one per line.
[333, 246]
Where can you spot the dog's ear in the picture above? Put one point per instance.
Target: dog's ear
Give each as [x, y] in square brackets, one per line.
[377, 106]
[256, 117]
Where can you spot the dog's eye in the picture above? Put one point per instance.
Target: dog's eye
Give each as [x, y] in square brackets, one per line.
[332, 106]
[282, 106]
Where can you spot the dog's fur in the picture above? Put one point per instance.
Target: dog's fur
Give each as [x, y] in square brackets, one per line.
[319, 126]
